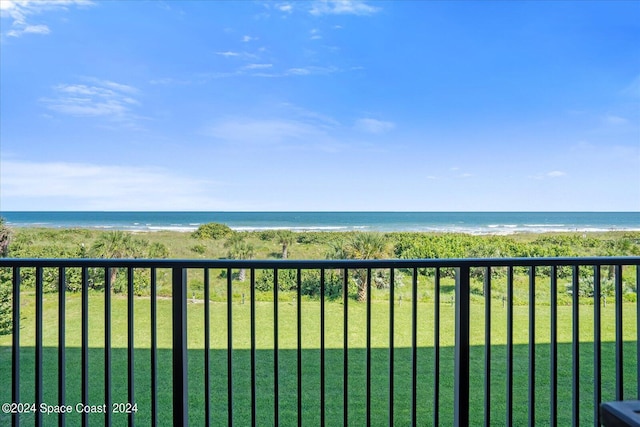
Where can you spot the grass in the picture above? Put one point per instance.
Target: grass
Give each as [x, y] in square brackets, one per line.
[334, 312]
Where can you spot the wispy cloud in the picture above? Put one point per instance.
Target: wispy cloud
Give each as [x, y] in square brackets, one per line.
[285, 7]
[309, 70]
[228, 54]
[373, 126]
[314, 34]
[285, 126]
[100, 98]
[257, 66]
[21, 12]
[342, 7]
[247, 39]
[262, 131]
[549, 175]
[611, 119]
[74, 186]
[239, 55]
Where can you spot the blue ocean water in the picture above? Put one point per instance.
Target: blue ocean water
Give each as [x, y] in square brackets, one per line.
[463, 222]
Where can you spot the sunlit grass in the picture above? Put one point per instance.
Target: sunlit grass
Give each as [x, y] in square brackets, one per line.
[287, 343]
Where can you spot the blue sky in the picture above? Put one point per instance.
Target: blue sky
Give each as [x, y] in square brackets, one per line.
[320, 105]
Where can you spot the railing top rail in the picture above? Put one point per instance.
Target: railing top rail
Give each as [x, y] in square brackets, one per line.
[317, 264]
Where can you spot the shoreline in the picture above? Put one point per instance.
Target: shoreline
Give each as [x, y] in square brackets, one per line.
[471, 231]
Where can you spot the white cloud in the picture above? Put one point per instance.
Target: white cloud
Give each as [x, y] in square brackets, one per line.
[84, 186]
[262, 131]
[29, 29]
[342, 7]
[305, 71]
[103, 98]
[285, 7]
[549, 175]
[614, 120]
[239, 55]
[21, 11]
[228, 54]
[315, 34]
[257, 66]
[299, 71]
[373, 125]
[247, 39]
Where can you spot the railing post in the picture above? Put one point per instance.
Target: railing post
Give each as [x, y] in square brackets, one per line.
[179, 314]
[461, 374]
[15, 348]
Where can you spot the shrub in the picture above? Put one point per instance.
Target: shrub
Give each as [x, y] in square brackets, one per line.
[158, 250]
[212, 230]
[5, 301]
[287, 280]
[141, 282]
[199, 249]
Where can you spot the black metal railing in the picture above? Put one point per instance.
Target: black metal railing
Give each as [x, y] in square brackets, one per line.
[411, 375]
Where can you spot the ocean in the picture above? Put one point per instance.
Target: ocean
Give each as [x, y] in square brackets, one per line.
[455, 222]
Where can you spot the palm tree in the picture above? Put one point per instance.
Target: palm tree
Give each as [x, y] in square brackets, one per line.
[362, 246]
[286, 239]
[116, 244]
[239, 249]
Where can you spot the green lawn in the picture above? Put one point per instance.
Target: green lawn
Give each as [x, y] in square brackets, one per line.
[311, 360]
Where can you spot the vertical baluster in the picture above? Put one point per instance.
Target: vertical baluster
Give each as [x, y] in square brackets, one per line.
[619, 341]
[276, 393]
[180, 371]
[107, 344]
[554, 347]
[462, 325]
[130, 343]
[391, 342]
[509, 421]
[229, 348]
[576, 346]
[154, 348]
[85, 344]
[252, 298]
[299, 341]
[322, 350]
[345, 351]
[487, 346]
[62, 356]
[368, 351]
[207, 350]
[414, 347]
[436, 350]
[597, 347]
[38, 356]
[15, 347]
[532, 346]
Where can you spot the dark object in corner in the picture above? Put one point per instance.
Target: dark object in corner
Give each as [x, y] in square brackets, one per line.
[624, 413]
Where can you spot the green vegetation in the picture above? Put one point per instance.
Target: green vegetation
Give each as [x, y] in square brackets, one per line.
[287, 343]
[212, 230]
[5, 281]
[274, 244]
[36, 243]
